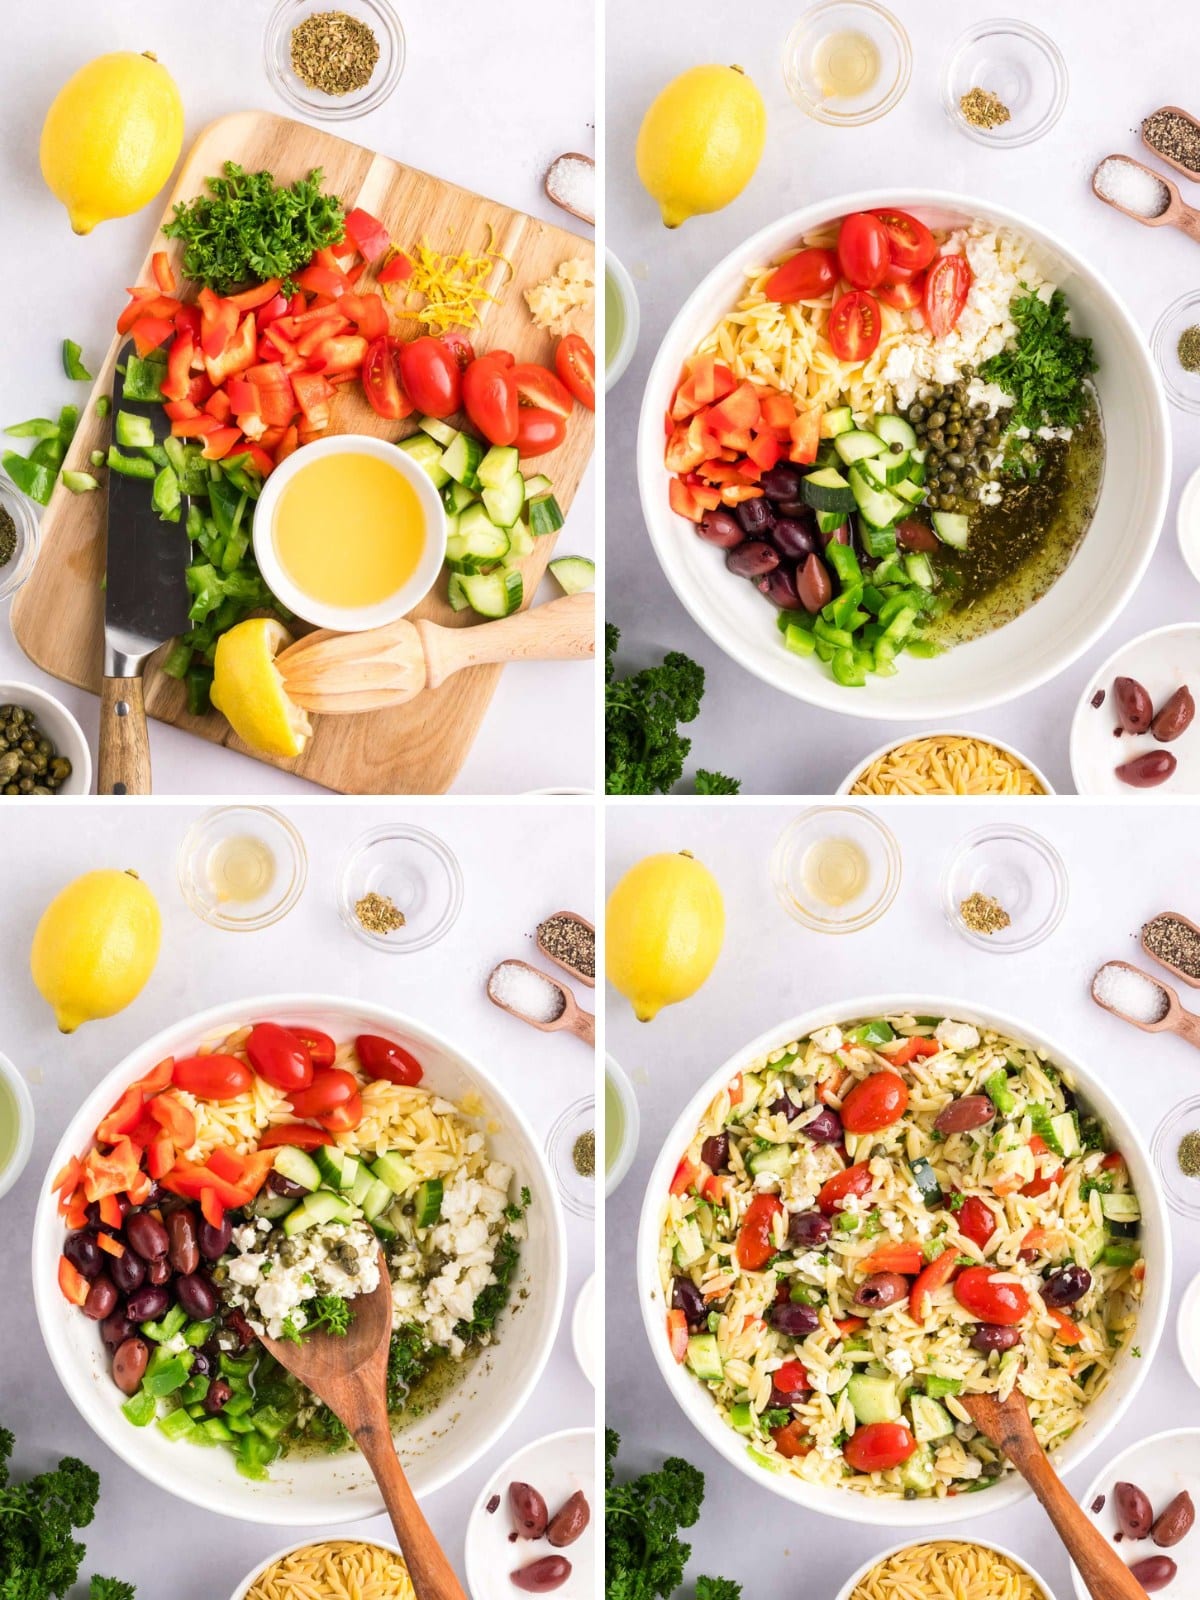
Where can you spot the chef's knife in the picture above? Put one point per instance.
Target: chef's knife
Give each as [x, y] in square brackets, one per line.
[146, 603]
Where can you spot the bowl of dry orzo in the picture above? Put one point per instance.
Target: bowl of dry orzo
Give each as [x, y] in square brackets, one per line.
[947, 1569]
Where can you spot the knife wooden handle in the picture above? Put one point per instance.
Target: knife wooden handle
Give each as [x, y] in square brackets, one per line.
[124, 738]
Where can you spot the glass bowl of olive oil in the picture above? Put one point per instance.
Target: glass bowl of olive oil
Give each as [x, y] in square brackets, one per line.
[242, 868]
[847, 62]
[16, 1124]
[836, 869]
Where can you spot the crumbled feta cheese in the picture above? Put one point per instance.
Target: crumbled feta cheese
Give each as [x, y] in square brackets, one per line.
[828, 1038]
[898, 1362]
[272, 1284]
[956, 1035]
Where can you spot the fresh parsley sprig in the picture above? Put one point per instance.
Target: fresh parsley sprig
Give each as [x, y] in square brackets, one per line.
[1046, 368]
[644, 1557]
[643, 748]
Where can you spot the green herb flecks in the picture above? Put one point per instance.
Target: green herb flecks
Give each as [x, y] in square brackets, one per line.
[328, 1311]
[644, 751]
[1046, 369]
[490, 1302]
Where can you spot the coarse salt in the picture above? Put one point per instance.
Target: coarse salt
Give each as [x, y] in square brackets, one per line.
[571, 182]
[1130, 993]
[1132, 186]
[526, 992]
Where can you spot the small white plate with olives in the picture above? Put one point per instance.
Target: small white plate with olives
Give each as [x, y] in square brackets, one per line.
[52, 723]
[1149, 1521]
[1159, 673]
[535, 1527]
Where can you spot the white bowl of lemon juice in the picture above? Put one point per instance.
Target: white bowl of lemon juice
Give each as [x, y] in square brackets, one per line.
[350, 533]
[16, 1124]
[622, 1124]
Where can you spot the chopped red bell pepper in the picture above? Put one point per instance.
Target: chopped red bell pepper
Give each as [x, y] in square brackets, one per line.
[318, 279]
[934, 1277]
[160, 1157]
[288, 445]
[397, 269]
[219, 405]
[242, 398]
[219, 444]
[218, 322]
[110, 1211]
[211, 1208]
[72, 1282]
[197, 427]
[313, 394]
[251, 299]
[367, 233]
[275, 308]
[191, 1178]
[123, 1117]
[913, 1048]
[110, 1173]
[367, 312]
[174, 1118]
[139, 1190]
[179, 367]
[294, 1133]
[66, 1180]
[274, 399]
[164, 273]
[109, 1245]
[187, 320]
[677, 1334]
[150, 332]
[236, 355]
[345, 352]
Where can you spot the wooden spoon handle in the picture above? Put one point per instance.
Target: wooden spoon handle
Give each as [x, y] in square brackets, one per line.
[1101, 1568]
[1186, 1025]
[1187, 220]
[433, 1578]
[124, 763]
[564, 630]
[584, 1027]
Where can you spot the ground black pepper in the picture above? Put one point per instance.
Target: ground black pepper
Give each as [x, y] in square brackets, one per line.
[1175, 137]
[1173, 943]
[573, 943]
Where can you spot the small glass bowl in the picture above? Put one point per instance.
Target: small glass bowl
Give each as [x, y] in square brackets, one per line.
[1015, 61]
[412, 868]
[1183, 1193]
[862, 828]
[1183, 388]
[20, 564]
[578, 1192]
[854, 16]
[269, 827]
[1021, 870]
[383, 23]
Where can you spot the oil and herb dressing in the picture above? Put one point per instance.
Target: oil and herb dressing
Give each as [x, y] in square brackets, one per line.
[9, 1124]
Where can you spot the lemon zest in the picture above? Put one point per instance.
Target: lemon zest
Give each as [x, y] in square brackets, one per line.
[453, 287]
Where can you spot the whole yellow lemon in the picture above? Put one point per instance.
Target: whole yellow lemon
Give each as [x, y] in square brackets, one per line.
[96, 946]
[111, 137]
[664, 926]
[701, 141]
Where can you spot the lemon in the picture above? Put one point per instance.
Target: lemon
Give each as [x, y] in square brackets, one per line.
[96, 946]
[111, 137]
[700, 141]
[248, 689]
[664, 925]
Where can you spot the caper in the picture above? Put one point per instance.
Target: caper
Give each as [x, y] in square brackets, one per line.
[60, 769]
[955, 459]
[9, 764]
[970, 491]
[950, 479]
[916, 412]
[41, 789]
[11, 788]
[937, 419]
[45, 748]
[936, 438]
[945, 502]
[980, 409]
[955, 408]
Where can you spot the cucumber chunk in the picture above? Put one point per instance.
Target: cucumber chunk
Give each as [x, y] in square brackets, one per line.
[493, 594]
[828, 490]
[428, 454]
[951, 527]
[462, 458]
[298, 1167]
[501, 464]
[545, 515]
[437, 429]
[574, 574]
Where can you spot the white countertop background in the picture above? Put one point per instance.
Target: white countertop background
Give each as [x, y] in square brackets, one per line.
[143, 1535]
[771, 968]
[458, 112]
[1123, 61]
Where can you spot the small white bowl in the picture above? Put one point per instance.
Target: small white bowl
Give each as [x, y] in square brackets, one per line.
[911, 1544]
[1187, 1329]
[614, 1074]
[260, 1567]
[852, 777]
[614, 370]
[1161, 1466]
[16, 1086]
[60, 727]
[1160, 660]
[556, 1466]
[1187, 524]
[351, 619]
[584, 1330]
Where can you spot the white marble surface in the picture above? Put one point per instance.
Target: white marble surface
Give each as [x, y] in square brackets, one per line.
[1121, 68]
[142, 1534]
[454, 114]
[771, 969]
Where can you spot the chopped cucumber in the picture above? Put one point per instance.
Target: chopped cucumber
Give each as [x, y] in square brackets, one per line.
[888, 469]
[1066, 1129]
[499, 466]
[689, 1245]
[537, 485]
[828, 490]
[520, 541]
[876, 506]
[269, 1205]
[298, 1167]
[704, 1358]
[909, 491]
[493, 594]
[320, 1207]
[1121, 1207]
[837, 421]
[895, 431]
[393, 1170]
[428, 1203]
[457, 497]
[951, 527]
[328, 1161]
[379, 1197]
[931, 1420]
[752, 1088]
[439, 430]
[456, 594]
[350, 1167]
[428, 454]
[574, 574]
[545, 515]
[461, 460]
[364, 1181]
[477, 542]
[855, 444]
[777, 1160]
[505, 502]
[917, 1475]
[874, 1399]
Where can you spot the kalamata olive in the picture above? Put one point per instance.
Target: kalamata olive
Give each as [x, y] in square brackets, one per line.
[914, 535]
[84, 1254]
[756, 516]
[813, 585]
[808, 1230]
[1175, 717]
[183, 1252]
[235, 1322]
[1175, 1523]
[219, 1392]
[148, 1304]
[687, 1298]
[1135, 1514]
[785, 1106]
[278, 1184]
[128, 1272]
[116, 1328]
[794, 538]
[158, 1272]
[1135, 709]
[1149, 770]
[781, 482]
[720, 528]
[797, 510]
[101, 1299]
[129, 1364]
[714, 1152]
[1066, 1285]
[539, 1577]
[881, 1289]
[529, 1513]
[824, 1128]
[197, 1296]
[201, 1364]
[967, 1112]
[840, 535]
[569, 1521]
[989, 1336]
[147, 1236]
[780, 588]
[214, 1242]
[794, 1318]
[1154, 1573]
[753, 557]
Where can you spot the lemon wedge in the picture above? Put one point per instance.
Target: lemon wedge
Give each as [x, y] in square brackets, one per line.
[248, 688]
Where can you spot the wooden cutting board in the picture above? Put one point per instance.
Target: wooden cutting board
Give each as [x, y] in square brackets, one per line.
[58, 616]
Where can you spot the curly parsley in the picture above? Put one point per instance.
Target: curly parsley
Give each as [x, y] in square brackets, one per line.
[644, 751]
[1046, 366]
[644, 1556]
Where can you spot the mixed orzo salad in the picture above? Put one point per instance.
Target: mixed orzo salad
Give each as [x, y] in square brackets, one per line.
[879, 1217]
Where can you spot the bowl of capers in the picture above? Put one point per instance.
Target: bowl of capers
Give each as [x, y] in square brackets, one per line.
[42, 747]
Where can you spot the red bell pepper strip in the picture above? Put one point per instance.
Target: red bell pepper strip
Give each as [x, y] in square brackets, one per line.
[275, 308]
[686, 1174]
[677, 1333]
[110, 1211]
[179, 367]
[76, 1213]
[313, 394]
[123, 1117]
[226, 1164]
[318, 279]
[912, 1049]
[211, 1208]
[934, 1277]
[197, 427]
[190, 1179]
[367, 233]
[908, 1259]
[219, 405]
[138, 1191]
[237, 354]
[72, 1282]
[160, 1157]
[251, 299]
[397, 269]
[109, 1245]
[173, 1117]
[257, 1167]
[367, 312]
[164, 274]
[218, 322]
[220, 444]
[287, 446]
[110, 1173]
[271, 387]
[242, 398]
[150, 332]
[67, 1179]
[187, 320]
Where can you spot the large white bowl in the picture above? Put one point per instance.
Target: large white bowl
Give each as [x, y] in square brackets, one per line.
[1034, 647]
[462, 1426]
[846, 1503]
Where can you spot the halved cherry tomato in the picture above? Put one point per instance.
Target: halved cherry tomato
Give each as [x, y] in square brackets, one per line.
[793, 1439]
[791, 1378]
[279, 1057]
[862, 250]
[216, 1077]
[754, 1244]
[383, 1058]
[854, 1180]
[463, 351]
[490, 398]
[294, 1133]
[331, 1086]
[911, 246]
[903, 294]
[321, 1048]
[537, 386]
[976, 1220]
[430, 374]
[539, 431]
[397, 268]
[808, 275]
[575, 363]
[1044, 1181]
[977, 1290]
[875, 1103]
[855, 326]
[381, 379]
[677, 1332]
[946, 290]
[346, 1117]
[879, 1446]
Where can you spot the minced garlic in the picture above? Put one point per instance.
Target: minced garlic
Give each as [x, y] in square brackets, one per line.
[569, 292]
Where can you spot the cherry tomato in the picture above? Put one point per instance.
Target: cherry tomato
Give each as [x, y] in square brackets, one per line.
[862, 250]
[879, 1446]
[279, 1057]
[946, 290]
[575, 363]
[431, 377]
[460, 347]
[294, 1133]
[793, 1439]
[490, 396]
[1044, 1181]
[854, 1180]
[215, 1077]
[537, 386]
[321, 1048]
[382, 1058]
[381, 379]
[754, 1244]
[978, 1292]
[331, 1086]
[904, 294]
[808, 275]
[791, 1378]
[875, 1103]
[976, 1221]
[539, 431]
[346, 1117]
[911, 246]
[854, 326]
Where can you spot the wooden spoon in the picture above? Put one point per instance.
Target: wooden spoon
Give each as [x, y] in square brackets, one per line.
[1187, 116]
[388, 666]
[1175, 916]
[568, 916]
[1175, 1019]
[348, 1372]
[572, 1016]
[1176, 214]
[555, 197]
[1007, 1424]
